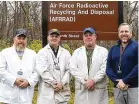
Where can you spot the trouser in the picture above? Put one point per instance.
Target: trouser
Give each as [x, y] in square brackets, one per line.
[129, 96]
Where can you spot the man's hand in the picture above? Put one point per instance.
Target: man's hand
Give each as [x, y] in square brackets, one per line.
[121, 85]
[90, 84]
[126, 87]
[57, 86]
[24, 84]
[18, 81]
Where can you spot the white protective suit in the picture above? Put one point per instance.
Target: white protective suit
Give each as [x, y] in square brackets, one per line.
[49, 75]
[79, 69]
[10, 64]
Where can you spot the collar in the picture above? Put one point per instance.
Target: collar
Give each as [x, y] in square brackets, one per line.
[55, 50]
[119, 42]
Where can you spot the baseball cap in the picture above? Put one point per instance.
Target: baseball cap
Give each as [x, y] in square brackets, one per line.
[52, 31]
[89, 29]
[21, 32]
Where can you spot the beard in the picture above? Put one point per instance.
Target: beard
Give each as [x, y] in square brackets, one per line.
[125, 41]
[89, 45]
[20, 47]
[125, 38]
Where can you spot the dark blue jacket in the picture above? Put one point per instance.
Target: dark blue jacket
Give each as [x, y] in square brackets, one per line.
[129, 64]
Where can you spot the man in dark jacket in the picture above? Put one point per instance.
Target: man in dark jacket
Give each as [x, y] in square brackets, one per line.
[122, 67]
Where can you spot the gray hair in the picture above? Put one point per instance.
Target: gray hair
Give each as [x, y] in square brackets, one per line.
[123, 24]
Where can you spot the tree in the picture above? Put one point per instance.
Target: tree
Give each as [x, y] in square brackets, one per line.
[20, 14]
[131, 15]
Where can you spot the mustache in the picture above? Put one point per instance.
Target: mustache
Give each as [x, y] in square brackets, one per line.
[19, 43]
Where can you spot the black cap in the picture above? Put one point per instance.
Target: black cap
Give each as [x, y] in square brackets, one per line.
[21, 32]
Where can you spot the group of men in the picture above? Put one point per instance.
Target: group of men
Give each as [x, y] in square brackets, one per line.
[21, 68]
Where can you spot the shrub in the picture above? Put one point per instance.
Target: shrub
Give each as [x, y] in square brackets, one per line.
[35, 45]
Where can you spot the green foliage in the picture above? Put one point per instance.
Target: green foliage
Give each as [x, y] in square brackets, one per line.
[72, 85]
[71, 101]
[68, 48]
[4, 44]
[34, 101]
[35, 45]
[111, 100]
[110, 88]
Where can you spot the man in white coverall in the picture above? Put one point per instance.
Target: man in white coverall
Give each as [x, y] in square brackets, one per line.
[88, 65]
[53, 67]
[17, 71]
